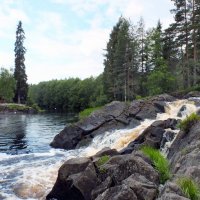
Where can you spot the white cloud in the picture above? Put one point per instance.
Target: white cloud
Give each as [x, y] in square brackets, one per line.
[56, 50]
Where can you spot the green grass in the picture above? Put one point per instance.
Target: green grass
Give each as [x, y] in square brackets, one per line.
[160, 162]
[189, 188]
[17, 107]
[102, 160]
[87, 112]
[187, 123]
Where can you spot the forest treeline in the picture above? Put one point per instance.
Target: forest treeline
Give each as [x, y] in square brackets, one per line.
[69, 95]
[137, 62]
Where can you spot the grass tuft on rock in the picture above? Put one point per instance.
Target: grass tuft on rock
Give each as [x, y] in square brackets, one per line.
[102, 160]
[187, 123]
[189, 188]
[160, 162]
[87, 112]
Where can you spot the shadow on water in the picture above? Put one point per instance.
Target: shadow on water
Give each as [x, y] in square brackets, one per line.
[21, 134]
[13, 133]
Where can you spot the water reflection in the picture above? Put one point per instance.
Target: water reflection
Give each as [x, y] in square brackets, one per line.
[13, 133]
[30, 133]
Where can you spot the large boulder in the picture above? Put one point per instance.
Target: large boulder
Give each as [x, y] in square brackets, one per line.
[120, 177]
[68, 138]
[76, 180]
[98, 118]
[142, 187]
[121, 167]
[99, 122]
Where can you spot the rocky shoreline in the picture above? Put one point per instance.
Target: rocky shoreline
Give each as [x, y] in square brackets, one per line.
[116, 115]
[127, 174]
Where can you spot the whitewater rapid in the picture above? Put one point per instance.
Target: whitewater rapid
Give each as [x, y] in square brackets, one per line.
[31, 176]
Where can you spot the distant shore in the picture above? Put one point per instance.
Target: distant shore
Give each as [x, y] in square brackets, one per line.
[16, 108]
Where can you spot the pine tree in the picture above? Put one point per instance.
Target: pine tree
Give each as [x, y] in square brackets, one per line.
[19, 71]
[109, 80]
[182, 26]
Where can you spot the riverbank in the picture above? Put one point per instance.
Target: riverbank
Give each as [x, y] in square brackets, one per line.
[17, 108]
[126, 173]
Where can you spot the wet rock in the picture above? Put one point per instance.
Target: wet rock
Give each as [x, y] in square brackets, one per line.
[163, 97]
[171, 187]
[122, 177]
[109, 112]
[154, 136]
[108, 126]
[165, 124]
[182, 109]
[122, 166]
[142, 187]
[192, 94]
[122, 192]
[107, 183]
[76, 180]
[68, 138]
[167, 137]
[160, 105]
[171, 191]
[184, 160]
[84, 142]
[106, 151]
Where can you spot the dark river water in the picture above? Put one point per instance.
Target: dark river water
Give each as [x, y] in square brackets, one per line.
[26, 159]
[30, 133]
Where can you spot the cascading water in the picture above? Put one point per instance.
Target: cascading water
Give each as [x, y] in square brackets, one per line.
[32, 175]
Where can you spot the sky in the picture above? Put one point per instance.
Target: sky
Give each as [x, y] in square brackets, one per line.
[67, 38]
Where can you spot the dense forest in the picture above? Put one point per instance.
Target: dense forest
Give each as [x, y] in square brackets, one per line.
[137, 63]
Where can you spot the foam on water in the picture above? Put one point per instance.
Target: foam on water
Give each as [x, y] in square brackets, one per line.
[31, 176]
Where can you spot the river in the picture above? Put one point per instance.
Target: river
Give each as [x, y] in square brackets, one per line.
[28, 165]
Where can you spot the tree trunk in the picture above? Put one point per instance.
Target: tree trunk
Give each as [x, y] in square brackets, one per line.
[18, 99]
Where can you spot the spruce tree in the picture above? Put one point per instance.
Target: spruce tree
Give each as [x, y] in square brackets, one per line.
[19, 72]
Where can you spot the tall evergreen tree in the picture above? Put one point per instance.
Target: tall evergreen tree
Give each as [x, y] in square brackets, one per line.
[182, 26]
[19, 71]
[109, 80]
[120, 63]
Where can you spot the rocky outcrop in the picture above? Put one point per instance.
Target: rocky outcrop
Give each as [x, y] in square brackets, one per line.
[115, 115]
[131, 176]
[155, 135]
[128, 174]
[122, 177]
[184, 157]
[184, 154]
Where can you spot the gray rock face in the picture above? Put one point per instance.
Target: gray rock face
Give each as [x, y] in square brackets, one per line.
[154, 136]
[68, 138]
[76, 180]
[122, 192]
[184, 156]
[129, 175]
[124, 177]
[142, 187]
[116, 115]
